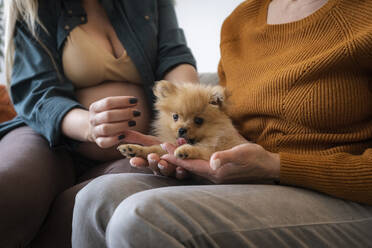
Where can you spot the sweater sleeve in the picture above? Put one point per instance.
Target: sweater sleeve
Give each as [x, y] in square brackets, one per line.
[341, 175]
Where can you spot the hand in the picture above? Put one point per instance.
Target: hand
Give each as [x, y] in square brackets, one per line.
[159, 166]
[241, 164]
[109, 118]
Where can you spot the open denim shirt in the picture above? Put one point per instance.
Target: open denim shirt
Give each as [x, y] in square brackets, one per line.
[147, 29]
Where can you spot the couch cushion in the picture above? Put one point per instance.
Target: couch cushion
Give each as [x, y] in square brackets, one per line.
[7, 111]
[208, 78]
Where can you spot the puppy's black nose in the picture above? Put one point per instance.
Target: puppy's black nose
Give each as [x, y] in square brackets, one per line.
[182, 131]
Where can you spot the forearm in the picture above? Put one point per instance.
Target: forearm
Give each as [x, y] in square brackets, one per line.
[182, 73]
[75, 124]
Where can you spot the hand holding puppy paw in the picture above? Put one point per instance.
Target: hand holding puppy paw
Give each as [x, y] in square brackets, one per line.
[158, 165]
[241, 164]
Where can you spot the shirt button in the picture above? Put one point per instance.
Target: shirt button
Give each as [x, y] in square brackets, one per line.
[147, 17]
[67, 27]
[69, 11]
[82, 19]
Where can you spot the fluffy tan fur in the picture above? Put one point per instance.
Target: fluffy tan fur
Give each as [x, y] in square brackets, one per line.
[190, 103]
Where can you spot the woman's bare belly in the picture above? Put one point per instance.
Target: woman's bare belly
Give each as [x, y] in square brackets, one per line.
[87, 96]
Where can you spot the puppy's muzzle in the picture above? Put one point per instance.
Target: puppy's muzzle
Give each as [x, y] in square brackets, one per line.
[182, 132]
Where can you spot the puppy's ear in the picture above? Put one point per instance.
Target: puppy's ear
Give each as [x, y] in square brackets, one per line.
[164, 88]
[218, 96]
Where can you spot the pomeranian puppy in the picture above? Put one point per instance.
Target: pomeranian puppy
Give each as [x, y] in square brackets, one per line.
[192, 116]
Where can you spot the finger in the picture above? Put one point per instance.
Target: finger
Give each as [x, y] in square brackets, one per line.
[138, 162]
[181, 173]
[115, 115]
[113, 102]
[153, 160]
[218, 159]
[135, 137]
[197, 166]
[112, 129]
[165, 168]
[107, 142]
[169, 148]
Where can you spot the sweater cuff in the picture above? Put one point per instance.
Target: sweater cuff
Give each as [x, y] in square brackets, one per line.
[294, 169]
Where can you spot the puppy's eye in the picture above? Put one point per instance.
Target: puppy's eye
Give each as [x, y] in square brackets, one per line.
[198, 120]
[175, 117]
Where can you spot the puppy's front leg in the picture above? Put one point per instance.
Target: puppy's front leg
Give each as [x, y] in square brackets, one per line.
[187, 151]
[132, 150]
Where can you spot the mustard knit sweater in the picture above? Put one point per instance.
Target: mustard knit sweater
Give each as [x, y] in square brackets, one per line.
[304, 90]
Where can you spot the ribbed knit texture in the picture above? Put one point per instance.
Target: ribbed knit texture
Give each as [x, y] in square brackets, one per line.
[304, 90]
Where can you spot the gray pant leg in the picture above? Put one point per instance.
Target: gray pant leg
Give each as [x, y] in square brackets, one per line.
[96, 203]
[236, 216]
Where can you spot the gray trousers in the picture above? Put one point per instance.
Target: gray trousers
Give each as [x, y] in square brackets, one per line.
[136, 210]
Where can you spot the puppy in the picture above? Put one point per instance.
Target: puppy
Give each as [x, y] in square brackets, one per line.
[192, 116]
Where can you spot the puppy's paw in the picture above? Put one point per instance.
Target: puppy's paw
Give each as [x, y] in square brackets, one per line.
[186, 152]
[130, 151]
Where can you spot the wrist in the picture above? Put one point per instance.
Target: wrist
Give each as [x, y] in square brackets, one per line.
[75, 125]
[274, 167]
[182, 73]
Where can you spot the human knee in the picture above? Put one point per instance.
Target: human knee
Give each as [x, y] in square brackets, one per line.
[100, 197]
[146, 217]
[24, 134]
[95, 193]
[107, 188]
[96, 203]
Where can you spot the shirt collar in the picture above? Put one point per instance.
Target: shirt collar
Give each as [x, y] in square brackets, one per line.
[74, 8]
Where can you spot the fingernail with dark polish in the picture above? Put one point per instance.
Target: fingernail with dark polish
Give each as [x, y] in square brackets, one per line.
[133, 100]
[121, 137]
[136, 113]
[131, 123]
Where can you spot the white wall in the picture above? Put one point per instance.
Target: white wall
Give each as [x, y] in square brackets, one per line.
[2, 76]
[202, 21]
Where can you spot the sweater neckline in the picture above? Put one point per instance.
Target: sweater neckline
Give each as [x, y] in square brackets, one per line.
[263, 11]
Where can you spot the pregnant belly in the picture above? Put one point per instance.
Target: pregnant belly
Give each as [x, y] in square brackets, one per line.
[87, 96]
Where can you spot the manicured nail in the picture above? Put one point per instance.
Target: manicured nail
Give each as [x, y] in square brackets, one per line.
[180, 172]
[161, 167]
[215, 164]
[131, 123]
[133, 100]
[121, 137]
[132, 164]
[136, 113]
[163, 147]
[152, 161]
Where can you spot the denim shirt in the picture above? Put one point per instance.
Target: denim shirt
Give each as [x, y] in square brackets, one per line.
[41, 93]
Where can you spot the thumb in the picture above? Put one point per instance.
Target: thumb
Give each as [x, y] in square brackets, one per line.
[218, 159]
[169, 148]
[139, 138]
